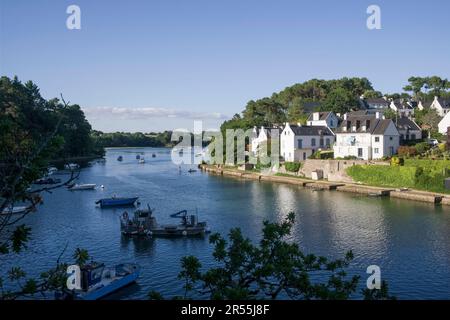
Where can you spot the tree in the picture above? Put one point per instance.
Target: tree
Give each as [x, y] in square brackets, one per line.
[274, 267]
[29, 138]
[390, 114]
[372, 94]
[339, 101]
[415, 86]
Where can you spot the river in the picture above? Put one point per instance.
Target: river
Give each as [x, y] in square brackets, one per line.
[408, 240]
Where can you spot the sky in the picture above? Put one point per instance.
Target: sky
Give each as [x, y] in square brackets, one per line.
[156, 65]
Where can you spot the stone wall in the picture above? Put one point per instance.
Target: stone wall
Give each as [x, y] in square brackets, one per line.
[333, 170]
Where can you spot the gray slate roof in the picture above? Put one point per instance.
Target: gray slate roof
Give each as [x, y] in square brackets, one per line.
[311, 130]
[404, 123]
[444, 103]
[374, 125]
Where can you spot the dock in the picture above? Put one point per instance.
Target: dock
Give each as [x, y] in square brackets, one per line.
[318, 185]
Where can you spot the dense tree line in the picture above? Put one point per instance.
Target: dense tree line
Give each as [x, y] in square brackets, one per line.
[294, 103]
[127, 139]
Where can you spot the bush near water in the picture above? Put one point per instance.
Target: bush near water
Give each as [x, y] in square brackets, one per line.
[425, 175]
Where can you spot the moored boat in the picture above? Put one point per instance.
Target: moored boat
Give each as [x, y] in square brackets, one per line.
[138, 157]
[117, 202]
[120, 158]
[138, 225]
[14, 210]
[71, 166]
[98, 281]
[141, 160]
[84, 186]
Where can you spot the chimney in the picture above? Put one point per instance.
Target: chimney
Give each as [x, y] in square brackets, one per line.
[299, 124]
[345, 116]
[377, 115]
[316, 116]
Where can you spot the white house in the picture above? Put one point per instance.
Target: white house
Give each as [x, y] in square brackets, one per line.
[408, 129]
[261, 135]
[328, 119]
[441, 106]
[444, 124]
[298, 142]
[366, 137]
[403, 109]
[375, 103]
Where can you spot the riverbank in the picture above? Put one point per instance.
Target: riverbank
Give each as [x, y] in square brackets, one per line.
[410, 194]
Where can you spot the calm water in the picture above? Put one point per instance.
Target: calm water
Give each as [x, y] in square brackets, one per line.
[408, 240]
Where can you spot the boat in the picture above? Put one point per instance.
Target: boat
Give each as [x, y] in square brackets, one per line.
[14, 210]
[142, 160]
[140, 224]
[120, 158]
[84, 186]
[47, 181]
[138, 157]
[98, 281]
[51, 170]
[153, 155]
[192, 170]
[71, 166]
[189, 226]
[116, 202]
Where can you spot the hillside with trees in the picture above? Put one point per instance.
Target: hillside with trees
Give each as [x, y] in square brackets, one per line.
[294, 103]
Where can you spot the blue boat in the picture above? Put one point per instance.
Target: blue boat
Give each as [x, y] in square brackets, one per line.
[98, 282]
[116, 202]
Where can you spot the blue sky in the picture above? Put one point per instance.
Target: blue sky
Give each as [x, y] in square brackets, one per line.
[154, 65]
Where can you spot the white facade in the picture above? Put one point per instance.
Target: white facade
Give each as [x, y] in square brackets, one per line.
[328, 119]
[403, 110]
[444, 124]
[300, 144]
[367, 145]
[439, 106]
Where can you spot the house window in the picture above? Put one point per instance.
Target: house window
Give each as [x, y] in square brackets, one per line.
[328, 142]
[377, 139]
[304, 155]
[313, 142]
[321, 142]
[413, 136]
[299, 144]
[390, 138]
[376, 151]
[360, 152]
[331, 123]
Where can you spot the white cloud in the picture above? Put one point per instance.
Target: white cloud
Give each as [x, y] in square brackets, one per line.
[147, 113]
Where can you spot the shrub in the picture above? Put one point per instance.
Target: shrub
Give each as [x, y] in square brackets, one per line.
[292, 166]
[396, 161]
[422, 147]
[407, 151]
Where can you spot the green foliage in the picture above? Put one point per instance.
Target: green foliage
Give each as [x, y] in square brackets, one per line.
[292, 166]
[274, 266]
[422, 147]
[390, 114]
[126, 139]
[425, 175]
[81, 256]
[340, 100]
[322, 155]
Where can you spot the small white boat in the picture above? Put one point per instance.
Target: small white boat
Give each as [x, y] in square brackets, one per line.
[141, 160]
[71, 166]
[14, 210]
[85, 186]
[51, 170]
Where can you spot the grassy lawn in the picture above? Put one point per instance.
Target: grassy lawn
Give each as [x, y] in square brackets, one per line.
[427, 175]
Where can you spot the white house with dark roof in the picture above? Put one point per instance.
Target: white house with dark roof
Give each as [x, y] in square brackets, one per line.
[375, 103]
[441, 106]
[444, 124]
[261, 135]
[403, 108]
[328, 119]
[298, 142]
[408, 129]
[366, 137]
